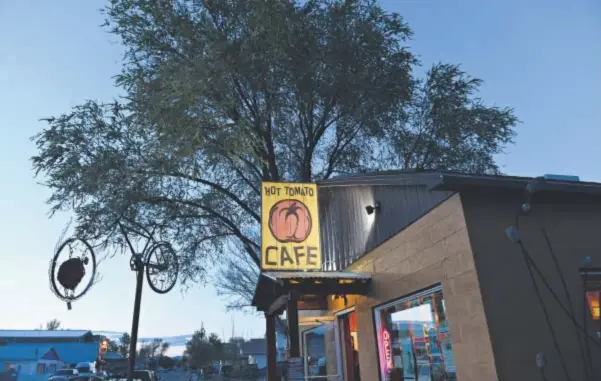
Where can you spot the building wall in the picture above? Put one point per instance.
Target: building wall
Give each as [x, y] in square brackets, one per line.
[281, 344]
[433, 250]
[261, 360]
[515, 317]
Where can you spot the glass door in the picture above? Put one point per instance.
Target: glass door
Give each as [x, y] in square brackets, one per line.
[318, 347]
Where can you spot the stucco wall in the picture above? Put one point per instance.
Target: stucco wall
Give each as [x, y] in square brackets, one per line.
[433, 250]
[515, 317]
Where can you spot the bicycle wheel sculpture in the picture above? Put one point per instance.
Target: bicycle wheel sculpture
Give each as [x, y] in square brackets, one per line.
[72, 270]
[162, 267]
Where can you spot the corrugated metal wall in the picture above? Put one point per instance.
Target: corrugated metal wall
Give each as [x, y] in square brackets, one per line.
[348, 232]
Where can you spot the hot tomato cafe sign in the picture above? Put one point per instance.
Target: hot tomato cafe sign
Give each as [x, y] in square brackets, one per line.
[290, 227]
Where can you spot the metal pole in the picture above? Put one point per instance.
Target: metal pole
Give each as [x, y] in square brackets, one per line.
[136, 318]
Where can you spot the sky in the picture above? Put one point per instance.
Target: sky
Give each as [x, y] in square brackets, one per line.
[543, 58]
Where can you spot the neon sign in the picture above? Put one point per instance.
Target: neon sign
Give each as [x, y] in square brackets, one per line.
[387, 350]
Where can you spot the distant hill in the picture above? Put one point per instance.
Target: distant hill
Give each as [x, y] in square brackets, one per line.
[177, 344]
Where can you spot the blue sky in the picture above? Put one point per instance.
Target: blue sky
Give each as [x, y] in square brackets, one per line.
[541, 57]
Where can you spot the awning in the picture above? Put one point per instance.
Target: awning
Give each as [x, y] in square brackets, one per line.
[274, 287]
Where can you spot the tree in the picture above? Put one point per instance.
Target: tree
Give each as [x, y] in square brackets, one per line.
[164, 348]
[150, 352]
[221, 95]
[166, 362]
[124, 341]
[53, 325]
[114, 346]
[201, 350]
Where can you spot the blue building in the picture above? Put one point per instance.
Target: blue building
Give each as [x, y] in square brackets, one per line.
[28, 359]
[36, 354]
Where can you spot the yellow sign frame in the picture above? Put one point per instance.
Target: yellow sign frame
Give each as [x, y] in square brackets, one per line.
[290, 238]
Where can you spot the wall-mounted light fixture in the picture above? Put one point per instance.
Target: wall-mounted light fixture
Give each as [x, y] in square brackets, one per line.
[591, 278]
[370, 209]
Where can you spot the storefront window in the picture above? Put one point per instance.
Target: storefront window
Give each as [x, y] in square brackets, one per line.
[413, 339]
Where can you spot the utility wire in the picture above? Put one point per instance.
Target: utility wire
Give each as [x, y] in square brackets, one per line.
[531, 189]
[563, 308]
[547, 317]
[587, 364]
[543, 307]
[588, 348]
[554, 294]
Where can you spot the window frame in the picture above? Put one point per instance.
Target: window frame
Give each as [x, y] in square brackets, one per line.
[42, 366]
[392, 302]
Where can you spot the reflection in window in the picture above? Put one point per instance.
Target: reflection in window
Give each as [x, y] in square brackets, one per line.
[315, 351]
[413, 339]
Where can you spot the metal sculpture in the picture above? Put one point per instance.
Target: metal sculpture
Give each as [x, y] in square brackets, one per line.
[66, 275]
[157, 260]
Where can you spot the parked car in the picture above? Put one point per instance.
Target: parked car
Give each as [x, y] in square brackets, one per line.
[86, 378]
[9, 375]
[85, 368]
[64, 374]
[145, 375]
[226, 371]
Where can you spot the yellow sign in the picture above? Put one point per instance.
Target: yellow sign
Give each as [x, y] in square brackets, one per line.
[290, 231]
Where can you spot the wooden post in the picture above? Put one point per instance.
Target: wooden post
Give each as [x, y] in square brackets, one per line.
[293, 331]
[271, 347]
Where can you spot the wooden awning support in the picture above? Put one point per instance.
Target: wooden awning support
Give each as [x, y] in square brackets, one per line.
[274, 287]
[278, 305]
[277, 291]
[271, 347]
[293, 331]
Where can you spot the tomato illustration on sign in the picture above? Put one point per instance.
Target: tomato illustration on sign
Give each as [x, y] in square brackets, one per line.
[290, 221]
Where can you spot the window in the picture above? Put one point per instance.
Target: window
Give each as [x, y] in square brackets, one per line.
[52, 368]
[413, 339]
[41, 368]
[9, 366]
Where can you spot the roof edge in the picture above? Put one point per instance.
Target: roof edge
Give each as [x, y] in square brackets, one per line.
[455, 181]
[459, 182]
[399, 178]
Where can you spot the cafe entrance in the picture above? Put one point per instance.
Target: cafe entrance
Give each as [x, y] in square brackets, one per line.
[331, 349]
[348, 345]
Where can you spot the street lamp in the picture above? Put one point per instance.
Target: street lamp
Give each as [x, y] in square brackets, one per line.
[591, 278]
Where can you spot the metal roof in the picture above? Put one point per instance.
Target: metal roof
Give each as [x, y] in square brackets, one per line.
[23, 352]
[384, 178]
[61, 333]
[254, 347]
[316, 275]
[458, 181]
[71, 353]
[74, 353]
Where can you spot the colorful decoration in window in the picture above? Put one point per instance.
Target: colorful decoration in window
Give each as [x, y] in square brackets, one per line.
[387, 350]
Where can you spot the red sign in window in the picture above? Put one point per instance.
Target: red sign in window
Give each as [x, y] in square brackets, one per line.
[387, 350]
